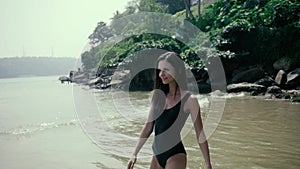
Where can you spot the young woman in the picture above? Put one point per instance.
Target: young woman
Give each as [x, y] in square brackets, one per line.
[170, 107]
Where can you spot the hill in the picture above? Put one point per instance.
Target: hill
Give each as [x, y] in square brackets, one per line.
[35, 66]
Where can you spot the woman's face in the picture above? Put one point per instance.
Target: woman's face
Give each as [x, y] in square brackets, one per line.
[167, 72]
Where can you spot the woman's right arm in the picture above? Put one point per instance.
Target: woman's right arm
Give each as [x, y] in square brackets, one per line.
[145, 133]
[194, 109]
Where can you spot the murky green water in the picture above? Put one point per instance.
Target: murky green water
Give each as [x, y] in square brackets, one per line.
[45, 124]
[252, 132]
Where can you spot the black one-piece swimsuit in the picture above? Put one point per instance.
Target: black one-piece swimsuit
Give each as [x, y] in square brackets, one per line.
[167, 128]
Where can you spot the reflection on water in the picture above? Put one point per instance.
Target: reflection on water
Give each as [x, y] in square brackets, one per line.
[253, 132]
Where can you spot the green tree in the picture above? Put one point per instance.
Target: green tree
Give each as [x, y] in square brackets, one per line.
[173, 6]
[151, 6]
[188, 11]
[100, 34]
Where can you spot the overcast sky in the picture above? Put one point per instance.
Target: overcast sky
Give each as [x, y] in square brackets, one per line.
[57, 28]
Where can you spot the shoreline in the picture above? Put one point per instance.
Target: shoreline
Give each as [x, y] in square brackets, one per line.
[217, 93]
[254, 81]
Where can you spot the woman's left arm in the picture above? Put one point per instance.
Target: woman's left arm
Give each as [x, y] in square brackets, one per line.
[194, 108]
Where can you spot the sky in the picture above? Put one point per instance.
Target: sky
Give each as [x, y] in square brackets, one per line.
[57, 28]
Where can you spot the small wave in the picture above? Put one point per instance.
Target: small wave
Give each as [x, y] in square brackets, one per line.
[221, 94]
[31, 129]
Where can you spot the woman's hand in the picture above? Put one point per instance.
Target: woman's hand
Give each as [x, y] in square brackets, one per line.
[131, 162]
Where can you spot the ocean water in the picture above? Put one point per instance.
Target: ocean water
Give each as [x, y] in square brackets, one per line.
[46, 124]
[39, 127]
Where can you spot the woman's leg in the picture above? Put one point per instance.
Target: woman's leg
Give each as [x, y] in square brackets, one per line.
[177, 161]
[154, 163]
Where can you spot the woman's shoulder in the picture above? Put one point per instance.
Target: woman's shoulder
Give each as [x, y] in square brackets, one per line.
[189, 96]
[192, 98]
[191, 104]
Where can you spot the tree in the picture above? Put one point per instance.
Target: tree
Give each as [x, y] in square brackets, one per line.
[189, 13]
[173, 6]
[199, 9]
[151, 6]
[101, 33]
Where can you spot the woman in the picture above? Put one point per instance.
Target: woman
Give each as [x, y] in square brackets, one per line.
[171, 104]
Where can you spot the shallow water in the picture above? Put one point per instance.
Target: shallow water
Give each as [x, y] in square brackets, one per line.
[45, 124]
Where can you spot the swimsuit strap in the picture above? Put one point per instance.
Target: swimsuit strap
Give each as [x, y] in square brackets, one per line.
[185, 98]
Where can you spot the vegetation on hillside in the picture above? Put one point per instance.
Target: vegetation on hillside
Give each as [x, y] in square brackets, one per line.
[245, 31]
[257, 31]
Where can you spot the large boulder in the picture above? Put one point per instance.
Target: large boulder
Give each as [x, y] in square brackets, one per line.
[204, 87]
[281, 78]
[267, 81]
[293, 78]
[142, 81]
[282, 64]
[250, 75]
[81, 78]
[120, 78]
[95, 81]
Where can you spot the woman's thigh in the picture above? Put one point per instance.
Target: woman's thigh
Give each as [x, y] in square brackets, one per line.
[154, 163]
[177, 161]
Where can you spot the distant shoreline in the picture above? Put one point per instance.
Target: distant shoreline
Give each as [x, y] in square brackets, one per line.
[30, 76]
[15, 67]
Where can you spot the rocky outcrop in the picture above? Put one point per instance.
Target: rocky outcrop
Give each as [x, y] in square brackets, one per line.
[64, 79]
[284, 86]
[283, 64]
[293, 79]
[120, 78]
[251, 75]
[281, 78]
[281, 84]
[246, 87]
[266, 81]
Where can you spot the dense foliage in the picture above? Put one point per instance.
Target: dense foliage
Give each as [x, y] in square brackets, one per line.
[250, 31]
[258, 30]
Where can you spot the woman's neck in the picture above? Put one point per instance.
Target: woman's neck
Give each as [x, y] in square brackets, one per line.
[173, 89]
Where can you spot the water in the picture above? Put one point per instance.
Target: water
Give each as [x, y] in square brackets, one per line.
[45, 124]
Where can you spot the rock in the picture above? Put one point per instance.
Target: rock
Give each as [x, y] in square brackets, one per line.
[283, 95]
[80, 78]
[292, 95]
[249, 76]
[204, 87]
[267, 81]
[274, 89]
[95, 81]
[293, 78]
[64, 79]
[142, 80]
[121, 75]
[296, 99]
[238, 70]
[282, 64]
[200, 75]
[71, 75]
[102, 86]
[281, 78]
[120, 78]
[246, 87]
